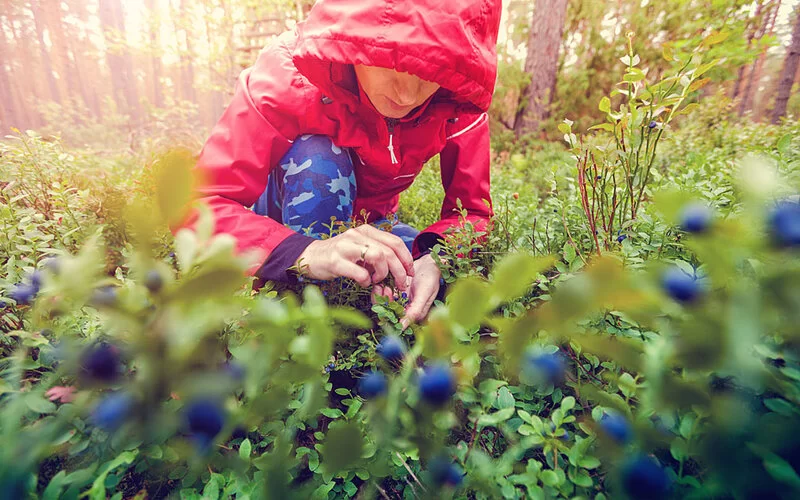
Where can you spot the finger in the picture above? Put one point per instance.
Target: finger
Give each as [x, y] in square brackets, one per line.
[395, 243]
[421, 302]
[351, 270]
[378, 259]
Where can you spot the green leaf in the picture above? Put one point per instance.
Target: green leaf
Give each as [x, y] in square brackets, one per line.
[505, 399]
[589, 462]
[784, 143]
[173, 181]
[245, 449]
[605, 104]
[513, 275]
[98, 489]
[343, 447]
[568, 403]
[38, 404]
[493, 419]
[549, 478]
[781, 471]
[468, 301]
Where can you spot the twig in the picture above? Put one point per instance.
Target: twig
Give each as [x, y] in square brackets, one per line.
[410, 471]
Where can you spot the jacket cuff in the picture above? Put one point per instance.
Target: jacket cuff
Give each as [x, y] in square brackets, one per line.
[276, 267]
[424, 244]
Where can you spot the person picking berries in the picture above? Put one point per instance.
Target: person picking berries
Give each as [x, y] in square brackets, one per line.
[336, 118]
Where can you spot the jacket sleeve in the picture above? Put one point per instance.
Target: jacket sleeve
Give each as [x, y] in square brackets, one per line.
[465, 167]
[252, 135]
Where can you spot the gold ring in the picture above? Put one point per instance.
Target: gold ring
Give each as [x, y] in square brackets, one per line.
[364, 252]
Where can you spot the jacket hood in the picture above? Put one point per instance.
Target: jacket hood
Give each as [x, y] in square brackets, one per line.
[450, 42]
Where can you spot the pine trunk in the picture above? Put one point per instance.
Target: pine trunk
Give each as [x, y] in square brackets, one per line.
[786, 81]
[541, 63]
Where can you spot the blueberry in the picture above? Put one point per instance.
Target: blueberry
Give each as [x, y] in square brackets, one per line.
[391, 348]
[105, 296]
[437, 384]
[643, 477]
[235, 370]
[404, 295]
[205, 419]
[547, 367]
[3, 304]
[111, 412]
[784, 224]
[652, 124]
[444, 472]
[23, 294]
[616, 427]
[35, 280]
[696, 217]
[621, 238]
[153, 281]
[331, 365]
[101, 362]
[564, 436]
[372, 385]
[679, 285]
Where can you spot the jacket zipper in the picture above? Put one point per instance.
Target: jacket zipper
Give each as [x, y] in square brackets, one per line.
[390, 123]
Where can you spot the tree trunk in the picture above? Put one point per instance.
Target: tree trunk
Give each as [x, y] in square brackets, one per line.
[118, 56]
[39, 22]
[541, 63]
[182, 23]
[786, 80]
[27, 70]
[752, 33]
[9, 115]
[755, 71]
[155, 54]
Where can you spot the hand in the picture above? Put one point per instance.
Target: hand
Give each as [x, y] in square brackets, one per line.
[364, 254]
[423, 290]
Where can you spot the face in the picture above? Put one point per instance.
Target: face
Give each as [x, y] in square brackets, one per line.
[394, 94]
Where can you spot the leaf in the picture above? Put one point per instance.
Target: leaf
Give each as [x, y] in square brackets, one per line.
[505, 399]
[513, 276]
[245, 449]
[568, 403]
[784, 143]
[605, 104]
[174, 184]
[715, 38]
[98, 489]
[493, 419]
[781, 471]
[38, 404]
[468, 301]
[343, 447]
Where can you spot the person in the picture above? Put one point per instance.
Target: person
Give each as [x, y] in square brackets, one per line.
[335, 119]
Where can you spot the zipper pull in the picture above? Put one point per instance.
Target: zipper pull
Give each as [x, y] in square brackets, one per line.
[391, 149]
[390, 125]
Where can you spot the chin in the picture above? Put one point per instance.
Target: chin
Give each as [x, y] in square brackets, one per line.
[390, 113]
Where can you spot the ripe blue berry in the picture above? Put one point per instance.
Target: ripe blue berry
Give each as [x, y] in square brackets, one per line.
[437, 384]
[101, 362]
[621, 238]
[3, 304]
[35, 280]
[111, 412]
[444, 472]
[153, 281]
[105, 296]
[235, 370]
[652, 124]
[391, 348]
[23, 294]
[372, 385]
[564, 436]
[643, 477]
[784, 224]
[546, 367]
[205, 419]
[680, 286]
[696, 217]
[616, 427]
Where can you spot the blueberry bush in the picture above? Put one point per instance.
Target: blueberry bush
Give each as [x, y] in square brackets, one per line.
[626, 328]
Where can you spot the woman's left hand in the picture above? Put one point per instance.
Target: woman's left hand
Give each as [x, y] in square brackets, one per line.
[423, 290]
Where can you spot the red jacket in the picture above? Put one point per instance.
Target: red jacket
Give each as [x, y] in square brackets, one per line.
[304, 83]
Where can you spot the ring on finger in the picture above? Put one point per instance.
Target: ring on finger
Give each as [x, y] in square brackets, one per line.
[364, 250]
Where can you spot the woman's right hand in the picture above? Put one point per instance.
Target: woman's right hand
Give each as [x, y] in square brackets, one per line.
[364, 254]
